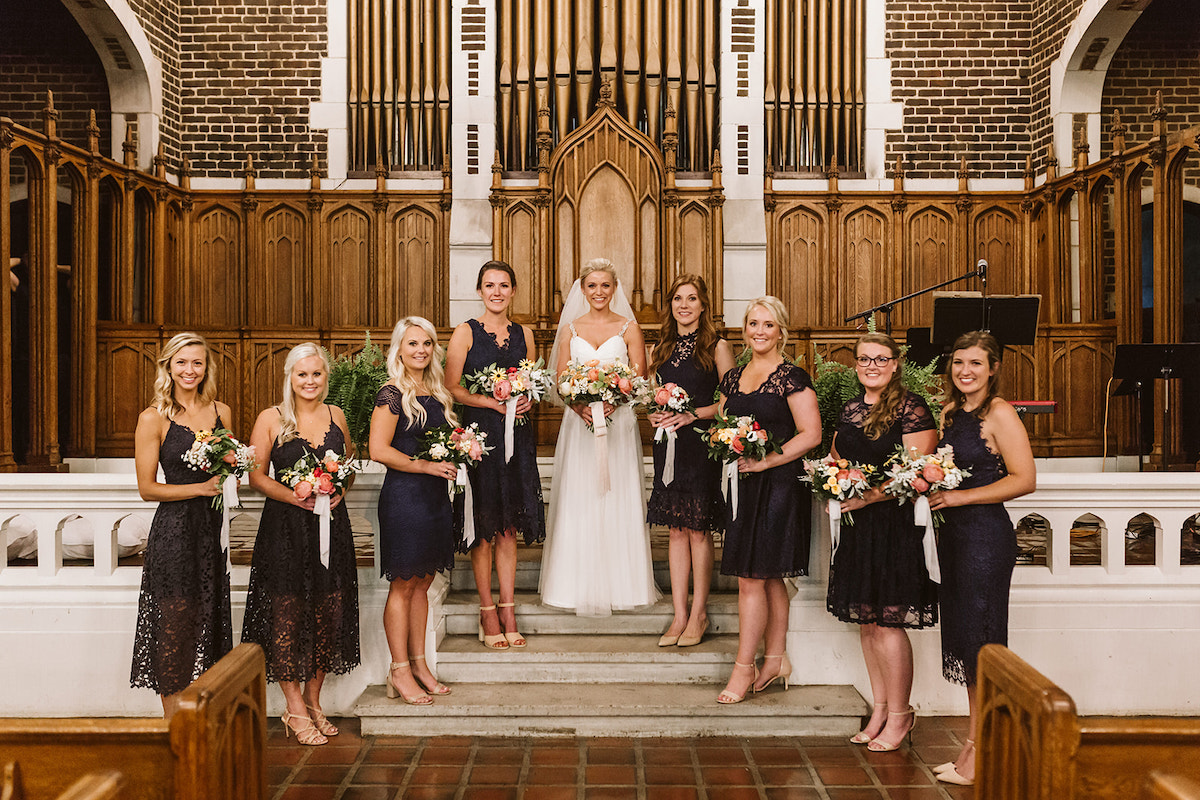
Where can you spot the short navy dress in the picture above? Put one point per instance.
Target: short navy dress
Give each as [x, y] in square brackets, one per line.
[416, 529]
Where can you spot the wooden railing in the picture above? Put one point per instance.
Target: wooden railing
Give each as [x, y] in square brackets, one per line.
[213, 747]
[107, 785]
[1164, 786]
[1033, 746]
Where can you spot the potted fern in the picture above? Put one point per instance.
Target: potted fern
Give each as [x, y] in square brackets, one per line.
[354, 380]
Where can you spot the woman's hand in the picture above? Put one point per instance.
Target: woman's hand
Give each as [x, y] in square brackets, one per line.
[751, 464]
[947, 498]
[585, 412]
[308, 503]
[872, 495]
[674, 422]
[211, 487]
[657, 418]
[440, 469]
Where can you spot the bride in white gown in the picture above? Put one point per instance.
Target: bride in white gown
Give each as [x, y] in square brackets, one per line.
[597, 552]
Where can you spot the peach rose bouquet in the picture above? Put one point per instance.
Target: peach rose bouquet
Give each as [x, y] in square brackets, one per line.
[464, 446]
[320, 477]
[911, 475]
[217, 452]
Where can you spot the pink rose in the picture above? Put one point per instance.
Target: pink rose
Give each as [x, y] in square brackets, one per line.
[920, 484]
[855, 475]
[302, 490]
[593, 374]
[933, 473]
[502, 390]
[230, 458]
[476, 450]
[625, 386]
[843, 474]
[662, 396]
[325, 485]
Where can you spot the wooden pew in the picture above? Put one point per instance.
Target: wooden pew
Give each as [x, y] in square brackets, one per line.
[212, 748]
[1161, 786]
[93, 786]
[1033, 746]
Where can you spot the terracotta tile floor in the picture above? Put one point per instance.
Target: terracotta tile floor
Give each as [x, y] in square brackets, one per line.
[354, 767]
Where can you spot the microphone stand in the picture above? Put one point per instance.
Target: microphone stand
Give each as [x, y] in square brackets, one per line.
[886, 308]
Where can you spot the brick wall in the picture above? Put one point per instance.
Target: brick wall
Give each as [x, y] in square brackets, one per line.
[249, 70]
[160, 22]
[42, 48]
[1160, 52]
[1051, 21]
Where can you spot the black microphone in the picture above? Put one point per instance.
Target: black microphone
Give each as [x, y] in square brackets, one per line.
[981, 270]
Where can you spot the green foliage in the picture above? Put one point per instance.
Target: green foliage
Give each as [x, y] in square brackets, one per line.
[837, 384]
[354, 380]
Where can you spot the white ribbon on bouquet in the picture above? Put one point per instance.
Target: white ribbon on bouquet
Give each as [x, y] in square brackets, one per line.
[229, 499]
[321, 509]
[922, 517]
[834, 508]
[510, 423]
[729, 486]
[600, 429]
[668, 473]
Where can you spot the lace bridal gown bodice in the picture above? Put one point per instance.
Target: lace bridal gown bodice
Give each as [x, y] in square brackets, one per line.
[597, 553]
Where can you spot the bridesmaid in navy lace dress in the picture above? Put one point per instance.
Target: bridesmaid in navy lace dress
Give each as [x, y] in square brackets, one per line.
[303, 614]
[878, 578]
[977, 548]
[506, 494]
[184, 623]
[689, 353]
[768, 539]
[416, 530]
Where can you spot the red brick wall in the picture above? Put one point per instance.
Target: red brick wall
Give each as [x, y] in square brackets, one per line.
[160, 22]
[962, 71]
[1051, 21]
[1160, 52]
[249, 70]
[42, 48]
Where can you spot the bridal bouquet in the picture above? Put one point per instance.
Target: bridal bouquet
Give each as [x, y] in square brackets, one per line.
[731, 438]
[838, 480]
[914, 475]
[325, 476]
[218, 453]
[528, 379]
[459, 445]
[669, 398]
[588, 382]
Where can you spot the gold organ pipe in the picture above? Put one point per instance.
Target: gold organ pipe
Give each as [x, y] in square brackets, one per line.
[504, 77]
[523, 84]
[562, 65]
[837, 58]
[583, 57]
[674, 65]
[770, 75]
[811, 84]
[789, 20]
[388, 87]
[710, 76]
[856, 132]
[824, 100]
[542, 50]
[353, 84]
[652, 31]
[428, 98]
[631, 59]
[414, 78]
[402, 83]
[443, 57]
[692, 82]
[608, 41]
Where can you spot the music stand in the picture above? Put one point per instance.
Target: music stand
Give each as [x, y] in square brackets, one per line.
[1012, 319]
[1138, 364]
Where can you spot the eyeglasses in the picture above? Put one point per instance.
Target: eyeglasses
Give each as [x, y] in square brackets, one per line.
[879, 361]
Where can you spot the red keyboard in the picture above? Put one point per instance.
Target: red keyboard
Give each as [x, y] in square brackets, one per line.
[1034, 406]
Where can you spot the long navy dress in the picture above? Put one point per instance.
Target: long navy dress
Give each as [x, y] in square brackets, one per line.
[693, 499]
[977, 550]
[505, 496]
[769, 537]
[878, 573]
[416, 535]
[304, 615]
[184, 624]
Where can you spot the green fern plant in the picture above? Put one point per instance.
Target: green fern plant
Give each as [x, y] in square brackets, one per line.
[354, 380]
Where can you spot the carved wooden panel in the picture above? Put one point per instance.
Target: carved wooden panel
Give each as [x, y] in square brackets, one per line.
[520, 251]
[172, 268]
[349, 278]
[997, 238]
[1078, 364]
[418, 272]
[802, 282]
[862, 282]
[281, 280]
[930, 261]
[264, 360]
[125, 381]
[695, 254]
[217, 282]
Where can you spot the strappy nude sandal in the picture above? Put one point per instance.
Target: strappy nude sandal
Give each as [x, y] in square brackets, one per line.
[393, 691]
[497, 642]
[306, 733]
[513, 638]
[322, 722]
[439, 688]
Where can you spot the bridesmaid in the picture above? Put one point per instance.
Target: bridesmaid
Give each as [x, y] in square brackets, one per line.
[768, 540]
[977, 547]
[878, 578]
[184, 623]
[691, 354]
[303, 614]
[416, 536]
[506, 495]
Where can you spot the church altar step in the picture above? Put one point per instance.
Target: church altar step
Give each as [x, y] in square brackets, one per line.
[614, 709]
[529, 570]
[461, 609]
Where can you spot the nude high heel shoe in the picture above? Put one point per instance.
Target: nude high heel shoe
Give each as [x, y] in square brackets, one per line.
[306, 732]
[862, 737]
[514, 638]
[393, 691]
[785, 672]
[877, 745]
[497, 642]
[438, 686]
[728, 698]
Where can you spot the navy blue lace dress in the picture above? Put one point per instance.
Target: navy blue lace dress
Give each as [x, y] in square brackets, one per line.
[304, 615]
[977, 550]
[769, 537]
[184, 624]
[506, 496]
[416, 529]
[693, 499]
[878, 573]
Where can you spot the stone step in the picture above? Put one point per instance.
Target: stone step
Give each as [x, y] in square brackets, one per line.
[529, 571]
[614, 709]
[461, 610]
[586, 659]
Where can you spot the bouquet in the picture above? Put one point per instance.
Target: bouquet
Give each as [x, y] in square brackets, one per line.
[838, 480]
[591, 382]
[731, 438]
[458, 445]
[912, 475]
[669, 398]
[325, 476]
[528, 379]
[218, 453]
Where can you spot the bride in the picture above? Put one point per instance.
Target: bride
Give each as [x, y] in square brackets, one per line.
[597, 552]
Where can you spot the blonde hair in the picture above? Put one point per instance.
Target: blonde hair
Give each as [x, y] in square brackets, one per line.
[164, 387]
[775, 307]
[287, 406]
[598, 265]
[430, 379]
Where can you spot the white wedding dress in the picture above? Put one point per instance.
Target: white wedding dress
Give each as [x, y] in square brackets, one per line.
[597, 553]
